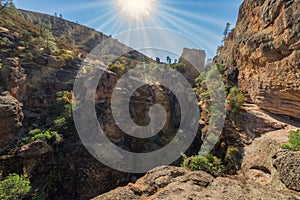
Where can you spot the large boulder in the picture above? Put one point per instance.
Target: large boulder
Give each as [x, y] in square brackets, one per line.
[262, 55]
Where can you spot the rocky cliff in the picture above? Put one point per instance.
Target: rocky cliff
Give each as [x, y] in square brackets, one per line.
[262, 54]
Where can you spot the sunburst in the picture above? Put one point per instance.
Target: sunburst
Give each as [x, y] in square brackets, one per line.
[136, 8]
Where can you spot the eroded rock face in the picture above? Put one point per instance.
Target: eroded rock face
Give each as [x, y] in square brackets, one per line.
[11, 117]
[254, 122]
[262, 55]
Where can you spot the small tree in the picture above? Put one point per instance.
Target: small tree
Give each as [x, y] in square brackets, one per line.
[157, 60]
[3, 4]
[226, 31]
[169, 60]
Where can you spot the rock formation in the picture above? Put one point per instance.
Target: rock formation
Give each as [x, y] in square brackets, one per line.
[193, 59]
[11, 117]
[262, 55]
[178, 183]
[13, 77]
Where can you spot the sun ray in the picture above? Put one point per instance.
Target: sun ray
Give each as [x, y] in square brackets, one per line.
[180, 22]
[194, 31]
[108, 22]
[208, 46]
[101, 18]
[204, 18]
[87, 6]
[197, 3]
[123, 15]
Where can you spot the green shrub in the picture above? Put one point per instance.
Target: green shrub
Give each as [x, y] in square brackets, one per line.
[60, 122]
[38, 134]
[66, 57]
[5, 41]
[220, 67]
[14, 187]
[232, 159]
[235, 99]
[294, 141]
[180, 67]
[201, 86]
[22, 43]
[118, 67]
[35, 131]
[208, 163]
[62, 107]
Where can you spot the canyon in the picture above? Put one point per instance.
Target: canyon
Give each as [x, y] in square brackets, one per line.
[39, 65]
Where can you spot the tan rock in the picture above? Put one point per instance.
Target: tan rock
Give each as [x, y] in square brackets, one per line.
[178, 183]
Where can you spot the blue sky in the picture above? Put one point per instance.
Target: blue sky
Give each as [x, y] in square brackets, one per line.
[202, 21]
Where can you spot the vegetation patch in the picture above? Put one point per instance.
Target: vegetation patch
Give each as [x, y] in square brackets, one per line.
[61, 111]
[38, 134]
[294, 141]
[14, 187]
[209, 163]
[235, 99]
[232, 160]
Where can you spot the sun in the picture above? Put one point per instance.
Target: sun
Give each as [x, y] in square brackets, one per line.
[135, 8]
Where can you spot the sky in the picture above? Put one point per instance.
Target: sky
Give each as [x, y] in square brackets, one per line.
[172, 24]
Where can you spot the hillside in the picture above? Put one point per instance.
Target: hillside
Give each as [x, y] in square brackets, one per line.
[83, 37]
[40, 56]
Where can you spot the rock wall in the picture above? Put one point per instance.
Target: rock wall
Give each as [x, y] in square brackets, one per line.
[262, 55]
